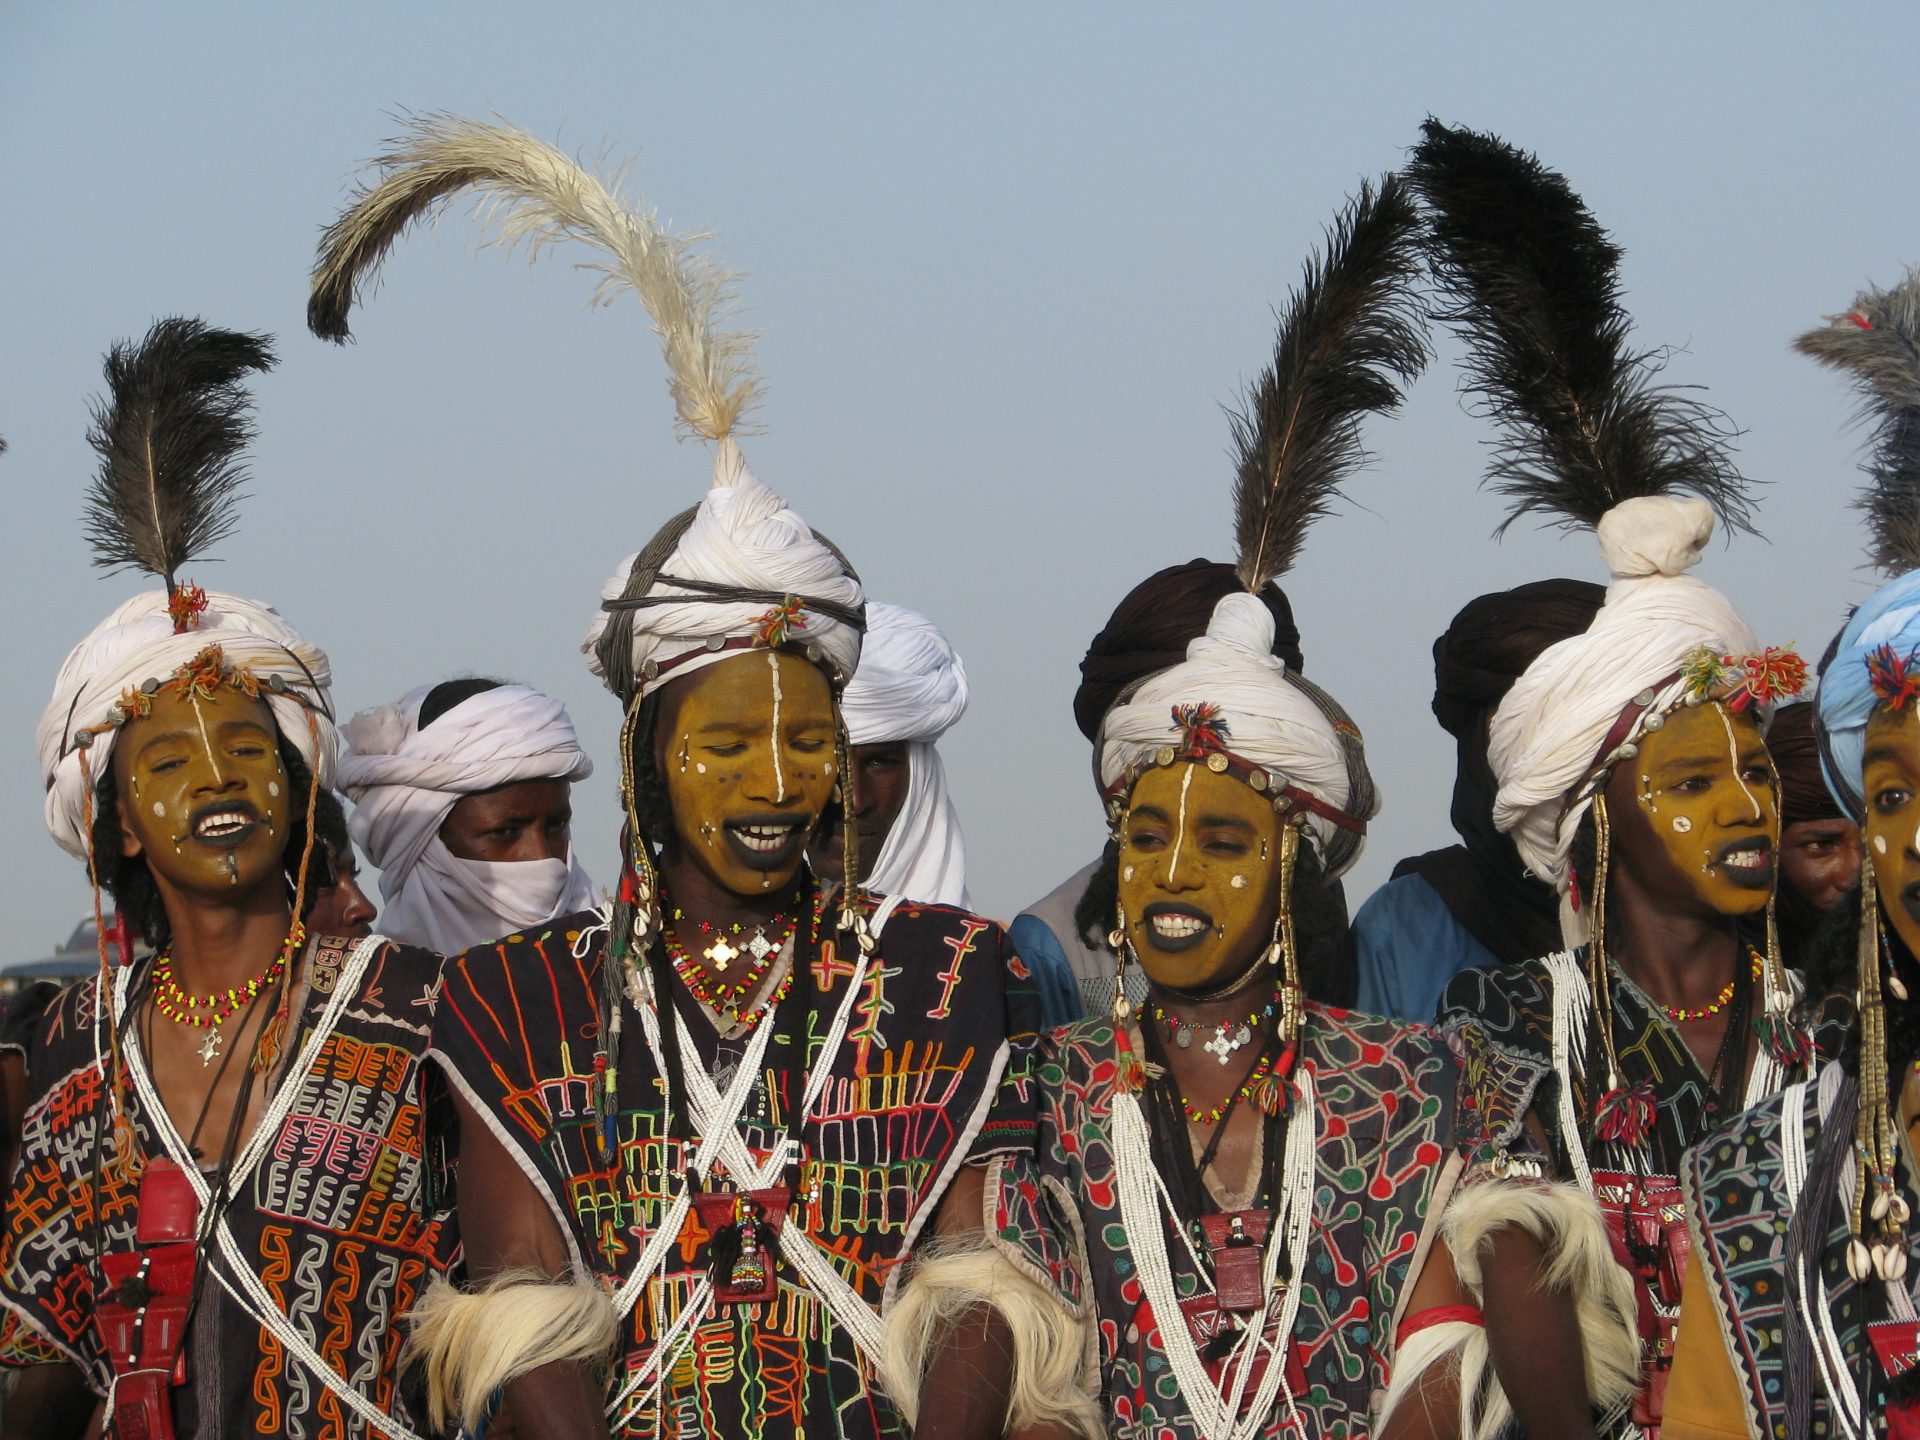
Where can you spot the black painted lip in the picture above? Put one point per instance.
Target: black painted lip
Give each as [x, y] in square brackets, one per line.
[766, 859]
[1910, 899]
[224, 842]
[1174, 946]
[1758, 877]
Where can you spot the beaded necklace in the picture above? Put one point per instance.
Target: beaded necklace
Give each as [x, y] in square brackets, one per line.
[729, 996]
[1681, 1015]
[204, 1012]
[1228, 1035]
[723, 953]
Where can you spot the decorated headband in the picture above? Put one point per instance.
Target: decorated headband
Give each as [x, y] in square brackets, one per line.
[1204, 732]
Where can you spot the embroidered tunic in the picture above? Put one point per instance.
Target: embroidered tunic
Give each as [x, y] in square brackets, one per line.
[1745, 1184]
[1504, 1022]
[329, 1238]
[1384, 1163]
[910, 1091]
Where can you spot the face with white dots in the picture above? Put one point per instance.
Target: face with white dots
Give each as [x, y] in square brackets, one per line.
[1890, 777]
[1694, 813]
[746, 747]
[202, 792]
[1199, 875]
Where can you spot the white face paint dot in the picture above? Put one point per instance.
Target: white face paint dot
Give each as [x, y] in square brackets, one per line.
[1239, 882]
[700, 766]
[1682, 824]
[1127, 874]
[273, 787]
[159, 809]
[1879, 844]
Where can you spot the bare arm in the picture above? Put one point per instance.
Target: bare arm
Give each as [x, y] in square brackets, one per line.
[47, 1402]
[1533, 1335]
[506, 1225]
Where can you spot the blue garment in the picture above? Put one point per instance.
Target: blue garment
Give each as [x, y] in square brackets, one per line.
[1407, 946]
[1053, 977]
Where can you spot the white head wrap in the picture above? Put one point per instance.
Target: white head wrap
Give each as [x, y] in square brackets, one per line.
[136, 644]
[912, 687]
[1546, 734]
[404, 782]
[1272, 719]
[743, 537]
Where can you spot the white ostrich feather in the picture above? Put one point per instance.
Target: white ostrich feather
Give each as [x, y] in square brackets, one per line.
[530, 193]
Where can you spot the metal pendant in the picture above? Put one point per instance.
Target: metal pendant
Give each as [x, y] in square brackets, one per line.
[210, 1047]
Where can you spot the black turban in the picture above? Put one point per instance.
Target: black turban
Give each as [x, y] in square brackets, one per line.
[1796, 758]
[1490, 642]
[1149, 630]
[1496, 637]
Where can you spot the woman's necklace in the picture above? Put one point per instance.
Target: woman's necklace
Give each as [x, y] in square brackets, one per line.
[1228, 1035]
[1681, 1015]
[211, 1012]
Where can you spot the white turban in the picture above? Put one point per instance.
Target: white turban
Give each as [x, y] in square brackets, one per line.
[404, 782]
[1271, 719]
[742, 537]
[136, 644]
[912, 688]
[1546, 734]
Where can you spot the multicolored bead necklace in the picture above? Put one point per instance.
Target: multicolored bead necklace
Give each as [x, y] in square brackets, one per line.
[1257, 1078]
[723, 952]
[204, 1012]
[1228, 1035]
[1681, 1015]
[728, 996]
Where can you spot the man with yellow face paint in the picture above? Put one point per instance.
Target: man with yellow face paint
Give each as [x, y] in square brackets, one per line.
[1249, 1214]
[225, 1200]
[1799, 1316]
[1628, 760]
[701, 1127]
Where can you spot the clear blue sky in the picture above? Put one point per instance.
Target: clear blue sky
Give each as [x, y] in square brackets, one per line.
[1008, 262]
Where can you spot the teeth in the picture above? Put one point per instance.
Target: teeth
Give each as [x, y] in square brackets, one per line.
[1745, 860]
[224, 823]
[766, 838]
[1177, 927]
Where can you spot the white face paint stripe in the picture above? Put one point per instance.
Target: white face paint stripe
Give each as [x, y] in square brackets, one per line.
[1180, 834]
[779, 775]
[205, 739]
[1733, 753]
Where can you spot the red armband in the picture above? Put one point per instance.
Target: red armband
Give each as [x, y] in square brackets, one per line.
[1439, 1315]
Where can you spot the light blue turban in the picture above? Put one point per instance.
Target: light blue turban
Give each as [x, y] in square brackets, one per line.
[1889, 617]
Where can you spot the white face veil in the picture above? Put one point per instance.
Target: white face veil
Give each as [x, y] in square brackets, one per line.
[911, 689]
[405, 781]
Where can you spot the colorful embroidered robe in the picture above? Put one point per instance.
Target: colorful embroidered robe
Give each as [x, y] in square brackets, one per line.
[1384, 1163]
[335, 1225]
[1502, 1019]
[1742, 1194]
[912, 1092]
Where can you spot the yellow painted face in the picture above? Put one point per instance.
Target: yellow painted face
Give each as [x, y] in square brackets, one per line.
[746, 748]
[1199, 875]
[203, 794]
[1703, 786]
[1891, 783]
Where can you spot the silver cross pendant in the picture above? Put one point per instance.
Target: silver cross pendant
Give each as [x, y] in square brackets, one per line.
[210, 1047]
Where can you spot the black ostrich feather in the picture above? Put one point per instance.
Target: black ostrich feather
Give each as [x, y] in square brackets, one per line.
[1351, 338]
[1531, 283]
[170, 434]
[1877, 345]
